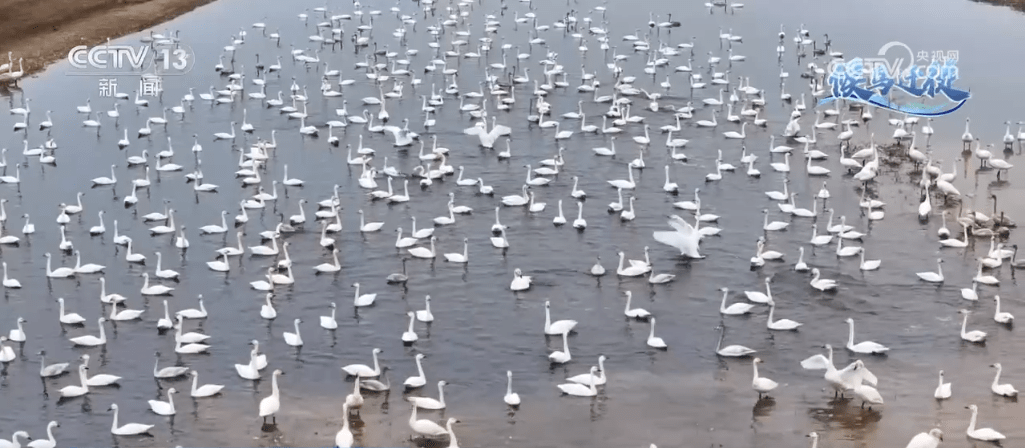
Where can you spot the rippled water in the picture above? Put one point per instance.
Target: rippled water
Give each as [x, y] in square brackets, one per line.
[482, 329]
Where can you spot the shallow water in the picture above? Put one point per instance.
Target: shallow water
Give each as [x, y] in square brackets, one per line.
[684, 396]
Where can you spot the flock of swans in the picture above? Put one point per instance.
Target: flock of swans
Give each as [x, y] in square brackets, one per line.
[451, 30]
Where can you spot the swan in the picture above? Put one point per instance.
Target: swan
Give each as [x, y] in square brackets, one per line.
[759, 297]
[1001, 317]
[597, 270]
[106, 180]
[423, 252]
[269, 406]
[984, 279]
[761, 254]
[169, 274]
[213, 228]
[430, 403]
[355, 399]
[821, 284]
[73, 390]
[344, 438]
[636, 313]
[685, 237]
[425, 427]
[264, 250]
[942, 390]
[628, 184]
[220, 265]
[653, 341]
[931, 439]
[731, 351]
[761, 385]
[737, 135]
[65, 244]
[580, 223]
[971, 336]
[129, 429]
[867, 394]
[734, 309]
[985, 434]
[163, 407]
[154, 290]
[933, 277]
[49, 441]
[61, 272]
[401, 242]
[633, 270]
[563, 356]
[109, 298]
[1005, 390]
[164, 323]
[520, 282]
[125, 314]
[100, 229]
[867, 347]
[409, 336]
[251, 371]
[363, 300]
[581, 390]
[294, 339]
[782, 324]
[207, 390]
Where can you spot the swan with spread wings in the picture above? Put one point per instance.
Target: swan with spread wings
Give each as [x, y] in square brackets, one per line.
[685, 237]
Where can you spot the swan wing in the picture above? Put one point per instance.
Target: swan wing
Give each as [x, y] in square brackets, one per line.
[817, 362]
[473, 130]
[674, 239]
[500, 130]
[855, 375]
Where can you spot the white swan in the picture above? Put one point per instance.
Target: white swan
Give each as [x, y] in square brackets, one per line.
[363, 370]
[782, 324]
[511, 399]
[163, 407]
[864, 346]
[344, 438]
[761, 385]
[1005, 390]
[985, 434]
[1001, 317]
[425, 427]
[654, 341]
[363, 300]
[971, 336]
[933, 277]
[931, 439]
[685, 237]
[269, 406]
[409, 336]
[155, 290]
[730, 351]
[294, 339]
[74, 390]
[430, 403]
[942, 390]
[520, 282]
[61, 272]
[129, 429]
[329, 322]
[206, 390]
[580, 390]
[822, 284]
[563, 356]
[90, 340]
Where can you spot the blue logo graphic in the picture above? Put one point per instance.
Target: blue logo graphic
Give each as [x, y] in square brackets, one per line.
[847, 80]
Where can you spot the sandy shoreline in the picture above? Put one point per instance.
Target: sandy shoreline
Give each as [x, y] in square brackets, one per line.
[43, 31]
